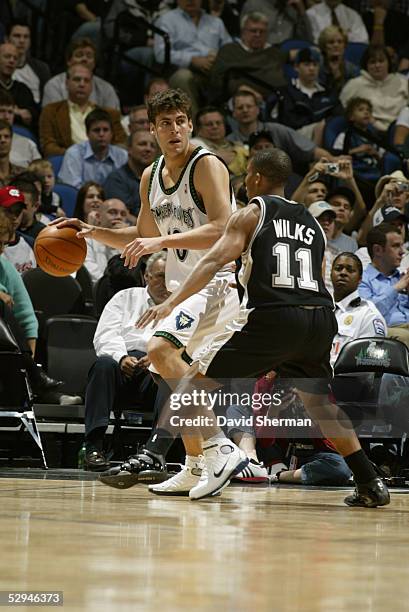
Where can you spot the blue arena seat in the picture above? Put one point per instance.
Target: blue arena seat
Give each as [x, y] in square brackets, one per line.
[354, 52]
[294, 43]
[23, 131]
[333, 127]
[68, 195]
[56, 162]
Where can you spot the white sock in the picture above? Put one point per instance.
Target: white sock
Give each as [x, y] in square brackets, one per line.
[216, 438]
[192, 459]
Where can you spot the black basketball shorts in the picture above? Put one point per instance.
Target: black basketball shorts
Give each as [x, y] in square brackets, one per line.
[295, 341]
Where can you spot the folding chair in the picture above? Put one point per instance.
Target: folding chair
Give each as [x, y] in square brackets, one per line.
[16, 399]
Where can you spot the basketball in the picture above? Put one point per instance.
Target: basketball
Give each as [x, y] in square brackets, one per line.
[58, 251]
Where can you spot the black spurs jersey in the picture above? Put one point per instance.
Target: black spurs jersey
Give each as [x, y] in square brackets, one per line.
[283, 263]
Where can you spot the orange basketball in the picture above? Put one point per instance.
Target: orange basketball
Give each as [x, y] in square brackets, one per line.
[58, 251]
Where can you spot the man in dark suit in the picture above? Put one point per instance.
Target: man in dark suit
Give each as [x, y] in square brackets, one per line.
[62, 124]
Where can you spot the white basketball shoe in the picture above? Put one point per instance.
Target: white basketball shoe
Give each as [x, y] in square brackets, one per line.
[222, 460]
[183, 481]
[254, 472]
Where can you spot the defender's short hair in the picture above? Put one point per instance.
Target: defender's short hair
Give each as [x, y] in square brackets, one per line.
[274, 164]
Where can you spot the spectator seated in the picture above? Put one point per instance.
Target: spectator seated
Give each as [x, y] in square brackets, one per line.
[120, 373]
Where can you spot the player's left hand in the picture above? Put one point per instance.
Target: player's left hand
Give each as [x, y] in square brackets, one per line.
[155, 313]
[138, 248]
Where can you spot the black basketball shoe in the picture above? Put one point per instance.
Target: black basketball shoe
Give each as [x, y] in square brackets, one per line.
[143, 468]
[369, 495]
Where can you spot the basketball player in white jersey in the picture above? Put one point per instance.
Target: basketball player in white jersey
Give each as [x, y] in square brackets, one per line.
[186, 202]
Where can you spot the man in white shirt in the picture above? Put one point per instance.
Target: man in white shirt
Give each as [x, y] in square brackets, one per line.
[334, 12]
[356, 317]
[83, 51]
[111, 213]
[120, 374]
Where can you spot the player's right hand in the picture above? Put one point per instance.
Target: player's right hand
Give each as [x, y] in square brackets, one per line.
[85, 229]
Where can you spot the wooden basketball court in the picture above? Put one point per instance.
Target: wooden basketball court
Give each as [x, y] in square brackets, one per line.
[255, 548]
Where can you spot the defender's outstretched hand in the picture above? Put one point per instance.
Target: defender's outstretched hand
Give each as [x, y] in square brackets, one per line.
[84, 229]
[138, 248]
[155, 313]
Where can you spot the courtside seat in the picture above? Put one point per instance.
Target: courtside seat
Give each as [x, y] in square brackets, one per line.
[359, 372]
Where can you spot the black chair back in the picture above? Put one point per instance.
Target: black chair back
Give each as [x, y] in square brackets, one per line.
[70, 350]
[379, 355]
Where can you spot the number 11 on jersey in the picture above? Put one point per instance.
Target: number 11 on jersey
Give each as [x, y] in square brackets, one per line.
[284, 279]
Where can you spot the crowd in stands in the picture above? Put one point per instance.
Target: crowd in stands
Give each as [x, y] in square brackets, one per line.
[326, 81]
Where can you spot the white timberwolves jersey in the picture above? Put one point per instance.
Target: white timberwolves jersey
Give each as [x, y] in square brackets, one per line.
[178, 209]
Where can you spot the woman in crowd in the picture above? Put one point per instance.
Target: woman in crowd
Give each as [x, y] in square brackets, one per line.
[89, 197]
[336, 70]
[386, 90]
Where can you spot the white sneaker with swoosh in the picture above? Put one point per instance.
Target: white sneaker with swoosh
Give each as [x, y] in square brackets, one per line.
[183, 481]
[222, 460]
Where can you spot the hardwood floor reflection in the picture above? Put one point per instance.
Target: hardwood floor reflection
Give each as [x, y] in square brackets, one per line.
[251, 549]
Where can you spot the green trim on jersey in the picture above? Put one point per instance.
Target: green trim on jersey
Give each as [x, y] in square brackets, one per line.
[175, 187]
[195, 196]
[187, 358]
[170, 337]
[155, 165]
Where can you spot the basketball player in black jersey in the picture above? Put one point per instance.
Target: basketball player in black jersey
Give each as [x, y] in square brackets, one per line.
[288, 319]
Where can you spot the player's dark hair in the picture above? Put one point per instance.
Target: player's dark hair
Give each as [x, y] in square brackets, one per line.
[273, 164]
[168, 101]
[377, 235]
[352, 256]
